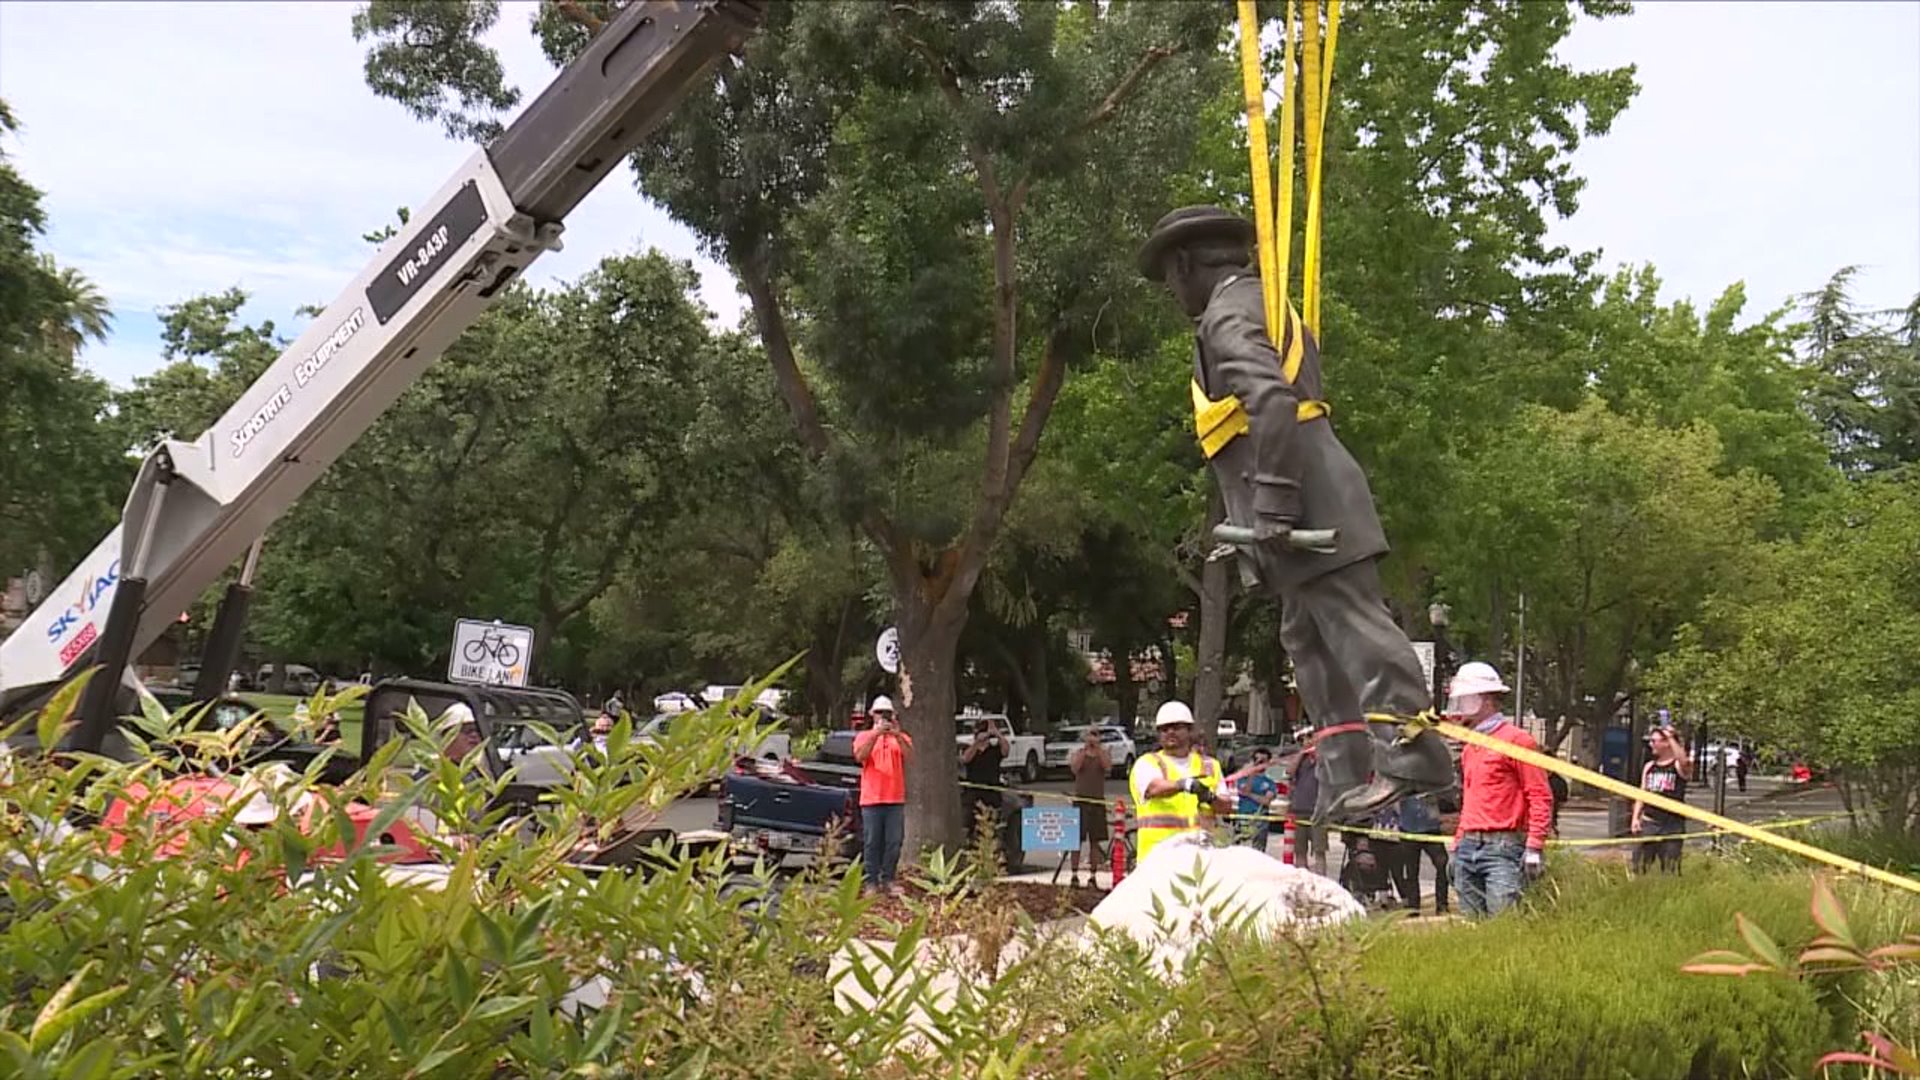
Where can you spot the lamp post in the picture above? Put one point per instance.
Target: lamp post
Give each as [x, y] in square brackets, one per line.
[1439, 615]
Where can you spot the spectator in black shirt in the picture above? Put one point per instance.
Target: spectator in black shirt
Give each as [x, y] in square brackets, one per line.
[982, 760]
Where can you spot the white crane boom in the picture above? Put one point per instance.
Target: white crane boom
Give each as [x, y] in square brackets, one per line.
[198, 506]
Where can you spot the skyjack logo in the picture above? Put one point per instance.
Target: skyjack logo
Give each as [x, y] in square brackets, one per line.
[245, 433]
[91, 592]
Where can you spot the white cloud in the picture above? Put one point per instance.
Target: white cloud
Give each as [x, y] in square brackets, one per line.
[1771, 143]
[202, 145]
[206, 145]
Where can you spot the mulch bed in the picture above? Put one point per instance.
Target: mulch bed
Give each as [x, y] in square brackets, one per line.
[1040, 901]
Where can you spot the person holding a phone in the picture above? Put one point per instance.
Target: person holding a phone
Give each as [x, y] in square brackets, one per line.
[982, 759]
[1090, 763]
[1666, 774]
[883, 751]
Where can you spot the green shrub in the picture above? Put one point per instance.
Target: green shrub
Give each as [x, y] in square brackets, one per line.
[249, 952]
[1585, 982]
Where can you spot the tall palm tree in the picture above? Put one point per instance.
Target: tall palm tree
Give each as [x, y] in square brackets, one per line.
[81, 313]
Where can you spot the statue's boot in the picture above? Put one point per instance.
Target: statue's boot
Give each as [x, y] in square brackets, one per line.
[1366, 771]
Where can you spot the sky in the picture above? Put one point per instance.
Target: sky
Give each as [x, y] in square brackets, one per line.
[188, 147]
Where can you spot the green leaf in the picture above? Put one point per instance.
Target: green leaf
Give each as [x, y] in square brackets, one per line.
[53, 716]
[529, 926]
[1764, 948]
[151, 709]
[396, 1025]
[496, 937]
[1832, 955]
[73, 1015]
[390, 813]
[1828, 915]
[605, 1027]
[694, 1067]
[502, 1006]
[434, 1060]
[92, 1061]
[459, 981]
[50, 1012]
[540, 1033]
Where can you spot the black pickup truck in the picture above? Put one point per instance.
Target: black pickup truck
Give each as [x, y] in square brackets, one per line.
[788, 808]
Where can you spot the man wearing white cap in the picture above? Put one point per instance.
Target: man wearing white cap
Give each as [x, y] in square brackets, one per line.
[1506, 807]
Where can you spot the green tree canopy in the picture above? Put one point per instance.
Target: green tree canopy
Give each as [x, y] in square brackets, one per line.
[1817, 651]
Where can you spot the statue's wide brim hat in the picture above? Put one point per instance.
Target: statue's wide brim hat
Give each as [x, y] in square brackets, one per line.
[1188, 225]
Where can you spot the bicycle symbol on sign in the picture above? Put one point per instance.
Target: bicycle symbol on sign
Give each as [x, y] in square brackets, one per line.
[492, 645]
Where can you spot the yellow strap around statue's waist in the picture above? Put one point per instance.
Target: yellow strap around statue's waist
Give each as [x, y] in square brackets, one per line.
[1218, 423]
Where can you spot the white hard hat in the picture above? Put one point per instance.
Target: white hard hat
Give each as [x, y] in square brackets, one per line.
[1173, 712]
[883, 703]
[1476, 678]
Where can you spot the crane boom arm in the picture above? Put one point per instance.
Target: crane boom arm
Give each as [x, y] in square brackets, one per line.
[197, 506]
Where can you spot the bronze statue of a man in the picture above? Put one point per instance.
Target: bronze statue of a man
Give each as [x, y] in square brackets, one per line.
[1265, 430]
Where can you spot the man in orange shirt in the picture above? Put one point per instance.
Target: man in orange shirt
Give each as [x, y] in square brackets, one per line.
[882, 751]
[1506, 808]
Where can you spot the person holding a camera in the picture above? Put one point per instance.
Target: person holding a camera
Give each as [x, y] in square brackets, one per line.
[1090, 763]
[882, 751]
[982, 760]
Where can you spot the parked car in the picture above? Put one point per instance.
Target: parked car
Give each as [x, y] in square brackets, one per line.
[300, 680]
[1120, 747]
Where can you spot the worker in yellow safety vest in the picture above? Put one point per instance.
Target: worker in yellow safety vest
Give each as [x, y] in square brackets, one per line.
[1176, 785]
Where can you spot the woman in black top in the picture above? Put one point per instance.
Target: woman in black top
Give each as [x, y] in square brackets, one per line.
[1667, 774]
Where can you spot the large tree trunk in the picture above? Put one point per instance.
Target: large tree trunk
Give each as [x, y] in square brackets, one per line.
[1038, 683]
[1126, 693]
[1210, 682]
[929, 647]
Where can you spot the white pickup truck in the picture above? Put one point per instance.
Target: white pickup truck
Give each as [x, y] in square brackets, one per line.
[1026, 754]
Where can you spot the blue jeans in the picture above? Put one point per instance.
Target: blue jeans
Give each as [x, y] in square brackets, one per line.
[883, 829]
[1486, 872]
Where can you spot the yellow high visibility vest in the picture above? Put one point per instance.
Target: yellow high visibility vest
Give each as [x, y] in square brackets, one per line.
[1169, 815]
[1219, 422]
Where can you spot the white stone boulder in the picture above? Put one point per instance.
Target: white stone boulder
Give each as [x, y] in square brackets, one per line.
[1199, 888]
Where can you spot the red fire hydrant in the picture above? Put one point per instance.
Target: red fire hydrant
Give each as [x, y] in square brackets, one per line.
[1119, 842]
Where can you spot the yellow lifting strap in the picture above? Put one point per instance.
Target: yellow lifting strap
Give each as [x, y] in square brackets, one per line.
[1218, 422]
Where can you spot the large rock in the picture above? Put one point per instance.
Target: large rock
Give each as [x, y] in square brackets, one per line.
[1198, 889]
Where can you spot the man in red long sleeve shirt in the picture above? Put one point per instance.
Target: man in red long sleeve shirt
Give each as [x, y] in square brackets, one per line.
[1506, 808]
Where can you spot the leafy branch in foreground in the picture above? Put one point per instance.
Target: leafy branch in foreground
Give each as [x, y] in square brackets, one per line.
[1837, 949]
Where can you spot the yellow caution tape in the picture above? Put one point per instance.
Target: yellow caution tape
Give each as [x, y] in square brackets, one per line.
[1603, 841]
[1627, 791]
[1106, 804]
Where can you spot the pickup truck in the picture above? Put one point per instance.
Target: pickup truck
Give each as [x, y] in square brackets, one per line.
[777, 809]
[1026, 754]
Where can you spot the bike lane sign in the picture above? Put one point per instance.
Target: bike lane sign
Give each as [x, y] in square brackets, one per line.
[490, 653]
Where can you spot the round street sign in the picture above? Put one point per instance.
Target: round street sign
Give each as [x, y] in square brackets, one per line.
[887, 650]
[36, 588]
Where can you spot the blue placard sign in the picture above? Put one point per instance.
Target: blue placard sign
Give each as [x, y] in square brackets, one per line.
[1049, 828]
